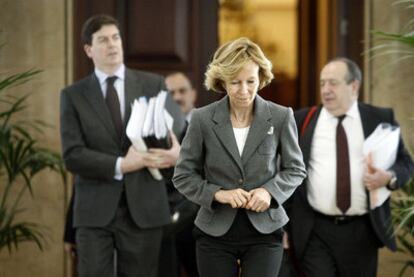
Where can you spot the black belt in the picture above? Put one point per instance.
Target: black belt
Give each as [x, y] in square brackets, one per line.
[340, 219]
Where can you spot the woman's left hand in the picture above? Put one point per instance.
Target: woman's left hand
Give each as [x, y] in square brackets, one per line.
[259, 201]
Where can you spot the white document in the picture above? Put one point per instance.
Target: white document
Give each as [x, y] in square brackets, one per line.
[381, 148]
[135, 127]
[148, 128]
[149, 118]
[136, 123]
[160, 126]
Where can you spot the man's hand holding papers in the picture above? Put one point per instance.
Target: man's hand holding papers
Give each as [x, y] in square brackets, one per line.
[376, 178]
[150, 127]
[134, 160]
[380, 150]
[166, 158]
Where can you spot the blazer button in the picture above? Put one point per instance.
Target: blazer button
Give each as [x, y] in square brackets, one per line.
[241, 181]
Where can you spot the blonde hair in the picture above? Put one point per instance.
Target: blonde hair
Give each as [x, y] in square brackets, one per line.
[230, 58]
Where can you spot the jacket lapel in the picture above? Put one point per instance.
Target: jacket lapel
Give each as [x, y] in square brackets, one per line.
[258, 129]
[368, 122]
[95, 97]
[224, 130]
[133, 90]
[368, 125]
[305, 143]
[306, 140]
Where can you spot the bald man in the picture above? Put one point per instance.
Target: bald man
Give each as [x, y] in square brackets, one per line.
[334, 230]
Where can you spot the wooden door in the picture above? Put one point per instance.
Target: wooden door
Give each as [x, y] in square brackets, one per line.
[327, 29]
[160, 36]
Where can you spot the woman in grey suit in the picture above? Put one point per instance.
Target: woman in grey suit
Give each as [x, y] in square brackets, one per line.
[228, 166]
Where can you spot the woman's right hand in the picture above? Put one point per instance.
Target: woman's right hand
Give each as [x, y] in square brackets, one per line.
[236, 198]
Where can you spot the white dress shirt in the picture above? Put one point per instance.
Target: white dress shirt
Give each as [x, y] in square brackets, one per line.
[240, 135]
[189, 115]
[119, 85]
[321, 182]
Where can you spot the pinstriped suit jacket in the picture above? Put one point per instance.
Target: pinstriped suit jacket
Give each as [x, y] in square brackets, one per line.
[90, 149]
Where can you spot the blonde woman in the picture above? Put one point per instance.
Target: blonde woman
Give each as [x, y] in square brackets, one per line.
[227, 165]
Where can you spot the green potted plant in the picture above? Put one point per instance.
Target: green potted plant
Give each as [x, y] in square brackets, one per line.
[403, 217]
[401, 45]
[21, 159]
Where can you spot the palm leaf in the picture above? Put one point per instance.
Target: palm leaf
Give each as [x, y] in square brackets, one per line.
[18, 79]
[407, 265]
[17, 106]
[12, 235]
[407, 39]
[20, 159]
[402, 2]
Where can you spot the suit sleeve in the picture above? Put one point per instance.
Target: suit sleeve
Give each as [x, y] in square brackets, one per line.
[299, 118]
[188, 175]
[403, 166]
[175, 112]
[292, 169]
[78, 158]
[69, 234]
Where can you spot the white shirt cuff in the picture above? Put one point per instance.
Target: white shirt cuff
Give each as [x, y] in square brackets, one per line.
[118, 173]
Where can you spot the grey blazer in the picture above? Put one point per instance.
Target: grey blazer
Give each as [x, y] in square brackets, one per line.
[90, 150]
[209, 161]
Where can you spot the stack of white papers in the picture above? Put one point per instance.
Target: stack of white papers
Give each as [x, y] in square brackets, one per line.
[149, 118]
[381, 149]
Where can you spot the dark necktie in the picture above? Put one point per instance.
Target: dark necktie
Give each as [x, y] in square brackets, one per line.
[112, 101]
[343, 176]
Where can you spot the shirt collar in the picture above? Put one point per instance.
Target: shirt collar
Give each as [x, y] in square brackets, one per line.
[189, 115]
[353, 112]
[102, 76]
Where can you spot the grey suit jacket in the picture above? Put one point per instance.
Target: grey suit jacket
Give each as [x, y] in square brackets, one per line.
[90, 149]
[210, 161]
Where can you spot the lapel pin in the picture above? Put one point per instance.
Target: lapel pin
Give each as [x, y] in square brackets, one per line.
[270, 132]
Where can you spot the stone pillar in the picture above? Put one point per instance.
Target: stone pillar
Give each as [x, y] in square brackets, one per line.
[389, 83]
[37, 35]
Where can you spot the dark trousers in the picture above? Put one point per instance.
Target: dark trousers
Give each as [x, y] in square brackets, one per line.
[178, 254]
[343, 249]
[186, 251]
[242, 249]
[137, 250]
[168, 262]
[178, 245]
[287, 267]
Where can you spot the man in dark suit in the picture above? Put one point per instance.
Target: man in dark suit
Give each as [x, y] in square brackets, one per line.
[178, 247]
[118, 204]
[333, 229]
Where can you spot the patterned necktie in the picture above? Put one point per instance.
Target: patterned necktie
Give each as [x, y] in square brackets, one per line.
[343, 176]
[112, 101]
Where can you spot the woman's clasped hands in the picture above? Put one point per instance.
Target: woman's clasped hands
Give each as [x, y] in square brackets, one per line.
[257, 200]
